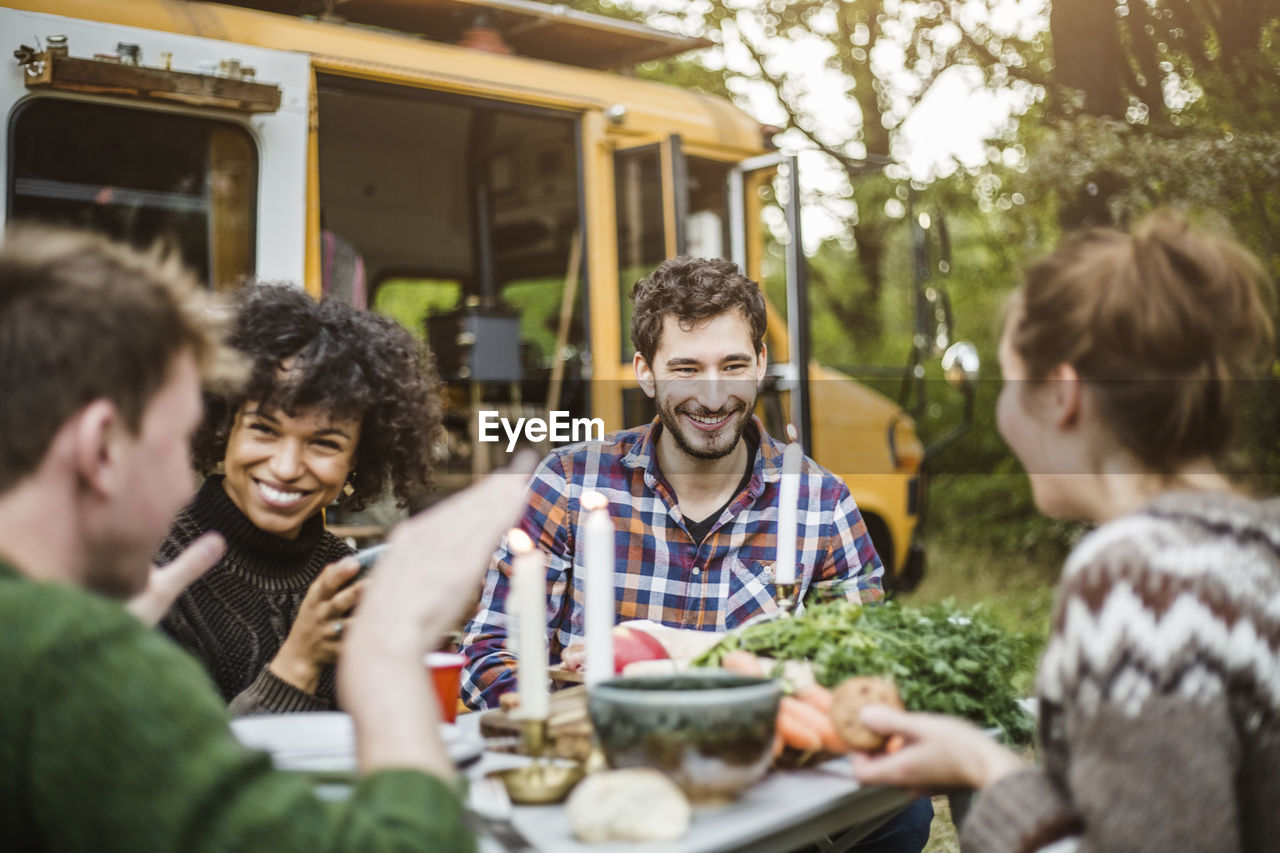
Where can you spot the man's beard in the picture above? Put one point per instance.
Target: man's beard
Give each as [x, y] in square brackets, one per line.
[673, 424]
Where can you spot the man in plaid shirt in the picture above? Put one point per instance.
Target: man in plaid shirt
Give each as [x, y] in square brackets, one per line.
[693, 495]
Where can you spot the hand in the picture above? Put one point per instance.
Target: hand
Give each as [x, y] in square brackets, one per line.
[423, 584]
[939, 752]
[574, 658]
[317, 631]
[165, 584]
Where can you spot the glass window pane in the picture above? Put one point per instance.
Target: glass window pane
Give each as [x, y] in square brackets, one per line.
[410, 300]
[707, 225]
[641, 241]
[141, 176]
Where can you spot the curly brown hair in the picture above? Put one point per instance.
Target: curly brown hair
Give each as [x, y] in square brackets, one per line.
[693, 290]
[346, 362]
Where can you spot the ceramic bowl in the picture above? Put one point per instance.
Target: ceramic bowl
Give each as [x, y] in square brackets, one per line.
[709, 730]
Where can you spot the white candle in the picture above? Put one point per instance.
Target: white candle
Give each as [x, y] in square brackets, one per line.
[784, 567]
[598, 615]
[529, 589]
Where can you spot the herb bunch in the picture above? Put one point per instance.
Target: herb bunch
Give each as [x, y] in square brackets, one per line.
[943, 660]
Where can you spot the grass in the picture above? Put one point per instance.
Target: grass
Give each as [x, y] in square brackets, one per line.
[1016, 589]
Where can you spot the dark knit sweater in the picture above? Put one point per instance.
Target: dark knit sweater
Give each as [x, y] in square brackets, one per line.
[1159, 691]
[111, 739]
[236, 617]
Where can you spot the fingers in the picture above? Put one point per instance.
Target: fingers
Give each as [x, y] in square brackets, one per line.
[345, 599]
[884, 720]
[200, 556]
[937, 752]
[897, 769]
[164, 585]
[574, 657]
[491, 505]
[334, 577]
[446, 548]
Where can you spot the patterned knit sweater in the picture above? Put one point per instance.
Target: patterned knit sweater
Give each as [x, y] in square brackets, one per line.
[236, 617]
[1159, 691]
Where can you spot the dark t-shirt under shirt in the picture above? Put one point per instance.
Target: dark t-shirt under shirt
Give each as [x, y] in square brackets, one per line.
[699, 529]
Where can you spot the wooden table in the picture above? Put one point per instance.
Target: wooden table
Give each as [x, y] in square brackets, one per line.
[786, 810]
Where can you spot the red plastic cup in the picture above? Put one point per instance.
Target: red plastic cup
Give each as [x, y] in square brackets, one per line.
[446, 677]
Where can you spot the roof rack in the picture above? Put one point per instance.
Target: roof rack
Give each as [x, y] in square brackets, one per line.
[538, 30]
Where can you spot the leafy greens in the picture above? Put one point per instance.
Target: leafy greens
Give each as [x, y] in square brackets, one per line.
[943, 660]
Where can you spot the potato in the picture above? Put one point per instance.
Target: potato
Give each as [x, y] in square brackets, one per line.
[847, 702]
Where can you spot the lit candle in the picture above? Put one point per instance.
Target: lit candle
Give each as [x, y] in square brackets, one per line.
[529, 589]
[598, 608]
[784, 567]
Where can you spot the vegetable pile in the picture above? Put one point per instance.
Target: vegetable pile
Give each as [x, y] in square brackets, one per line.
[942, 660]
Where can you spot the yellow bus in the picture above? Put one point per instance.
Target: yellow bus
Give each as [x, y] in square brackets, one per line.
[481, 163]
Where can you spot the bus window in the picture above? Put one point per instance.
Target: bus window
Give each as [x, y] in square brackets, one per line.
[707, 223]
[141, 176]
[410, 300]
[641, 241]
[538, 301]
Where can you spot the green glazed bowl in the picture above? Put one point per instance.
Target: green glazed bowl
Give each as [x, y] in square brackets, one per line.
[711, 731]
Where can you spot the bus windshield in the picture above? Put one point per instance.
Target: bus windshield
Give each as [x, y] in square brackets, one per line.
[142, 176]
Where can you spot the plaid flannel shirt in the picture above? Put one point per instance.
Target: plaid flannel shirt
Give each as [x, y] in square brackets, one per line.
[662, 574]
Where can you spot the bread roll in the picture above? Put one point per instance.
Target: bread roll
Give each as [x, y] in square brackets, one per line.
[638, 804]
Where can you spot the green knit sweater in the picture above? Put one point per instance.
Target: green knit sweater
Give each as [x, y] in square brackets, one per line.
[112, 738]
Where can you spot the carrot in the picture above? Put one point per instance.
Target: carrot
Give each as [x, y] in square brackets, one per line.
[778, 744]
[743, 663]
[817, 722]
[894, 743]
[795, 730]
[817, 696]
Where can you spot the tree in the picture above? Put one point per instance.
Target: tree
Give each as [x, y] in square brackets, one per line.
[1173, 81]
[880, 59]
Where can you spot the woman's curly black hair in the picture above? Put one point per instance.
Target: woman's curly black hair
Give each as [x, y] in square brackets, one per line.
[346, 362]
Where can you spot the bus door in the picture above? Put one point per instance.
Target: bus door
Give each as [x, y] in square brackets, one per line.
[148, 136]
[672, 202]
[785, 397]
[465, 216]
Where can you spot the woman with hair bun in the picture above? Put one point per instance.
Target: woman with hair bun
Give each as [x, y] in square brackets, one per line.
[1159, 690]
[340, 404]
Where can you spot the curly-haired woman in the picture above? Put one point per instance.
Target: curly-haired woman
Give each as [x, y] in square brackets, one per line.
[340, 404]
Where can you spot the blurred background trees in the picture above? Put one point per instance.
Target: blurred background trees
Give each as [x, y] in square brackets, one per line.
[1104, 110]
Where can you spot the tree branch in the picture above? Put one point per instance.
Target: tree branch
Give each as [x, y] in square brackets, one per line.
[1024, 72]
[849, 164]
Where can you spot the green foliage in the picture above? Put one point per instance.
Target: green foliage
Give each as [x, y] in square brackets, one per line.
[1234, 175]
[943, 659]
[409, 300]
[1199, 133]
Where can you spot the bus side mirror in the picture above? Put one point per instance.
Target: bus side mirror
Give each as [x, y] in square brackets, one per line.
[960, 364]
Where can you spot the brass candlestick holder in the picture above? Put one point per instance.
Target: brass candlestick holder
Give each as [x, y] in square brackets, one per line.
[596, 762]
[540, 781]
[785, 595]
[536, 737]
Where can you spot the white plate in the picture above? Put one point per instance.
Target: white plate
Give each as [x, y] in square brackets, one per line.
[325, 742]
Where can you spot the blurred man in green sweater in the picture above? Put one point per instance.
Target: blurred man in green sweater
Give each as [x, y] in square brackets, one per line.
[111, 738]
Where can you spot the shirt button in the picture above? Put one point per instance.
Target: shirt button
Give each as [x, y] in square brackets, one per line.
[696, 571]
